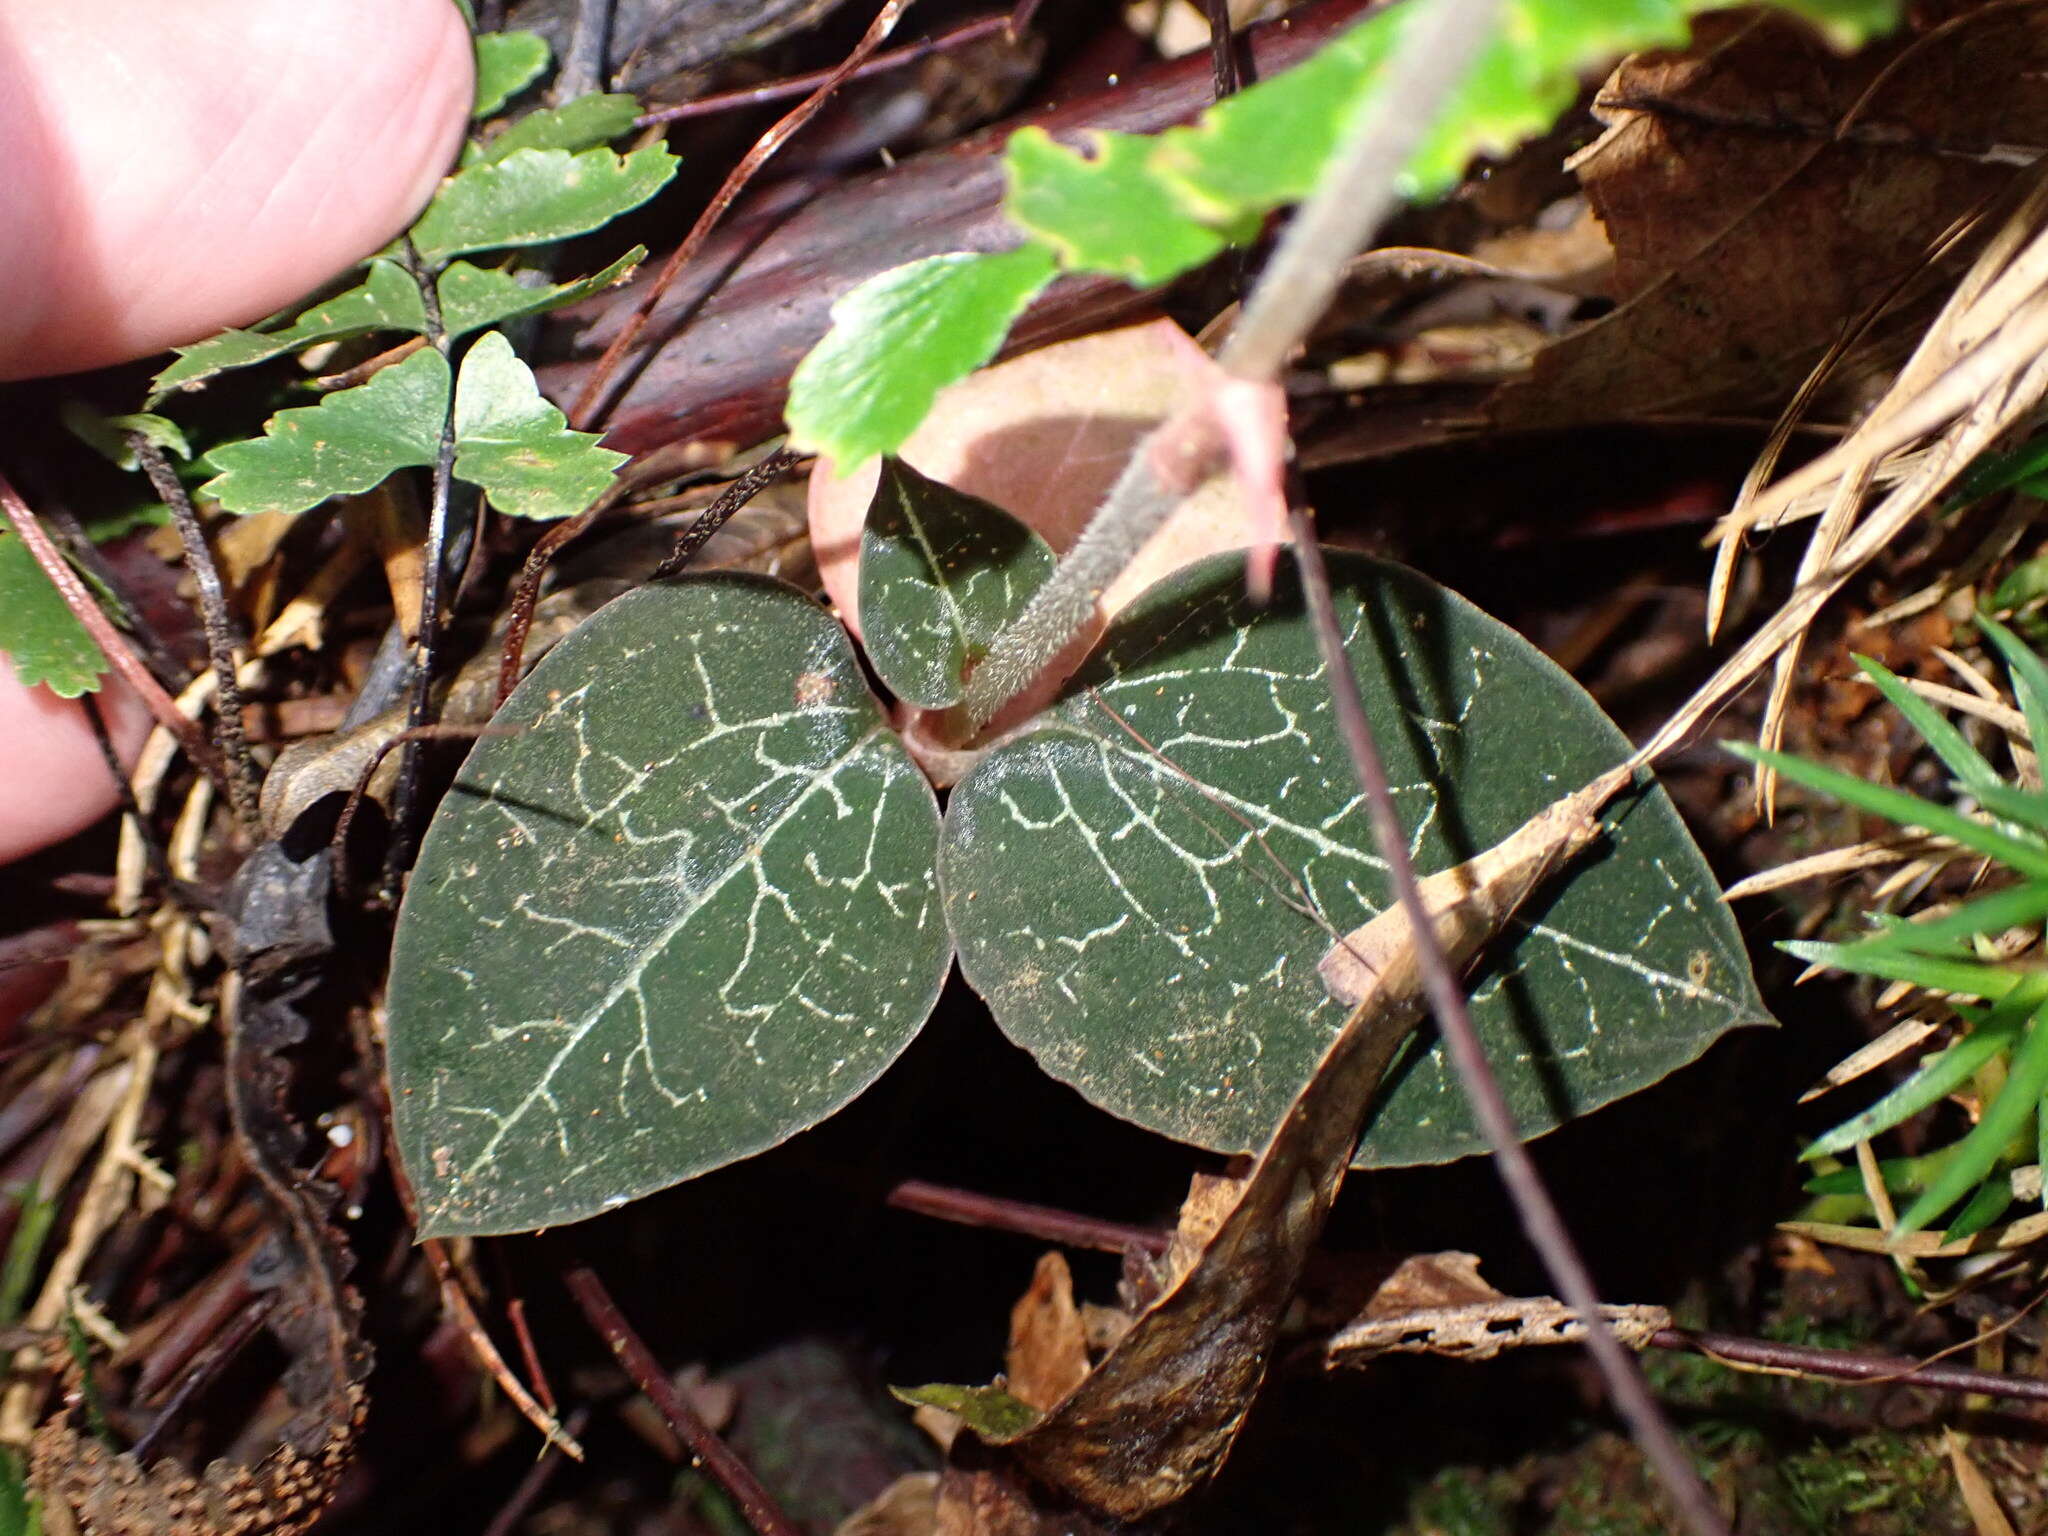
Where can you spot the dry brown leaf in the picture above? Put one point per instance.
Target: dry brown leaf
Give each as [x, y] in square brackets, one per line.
[1746, 236]
[1436, 1304]
[907, 1507]
[1048, 1354]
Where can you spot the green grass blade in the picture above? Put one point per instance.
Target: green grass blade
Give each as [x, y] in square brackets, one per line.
[2003, 1119]
[2029, 677]
[2018, 906]
[1985, 1207]
[2026, 808]
[1938, 1076]
[1898, 805]
[1972, 770]
[1936, 973]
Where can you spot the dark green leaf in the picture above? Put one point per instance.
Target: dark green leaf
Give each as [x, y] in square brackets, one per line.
[534, 196]
[473, 297]
[577, 125]
[686, 912]
[506, 64]
[349, 442]
[897, 340]
[517, 446]
[386, 300]
[941, 572]
[38, 633]
[1144, 937]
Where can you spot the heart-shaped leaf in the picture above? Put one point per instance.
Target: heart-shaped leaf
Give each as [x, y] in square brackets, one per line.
[1142, 886]
[687, 911]
[941, 573]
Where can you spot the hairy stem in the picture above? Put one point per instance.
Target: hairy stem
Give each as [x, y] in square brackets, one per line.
[220, 625]
[1357, 190]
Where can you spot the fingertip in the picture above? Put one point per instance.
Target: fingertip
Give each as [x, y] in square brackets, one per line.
[180, 168]
[56, 781]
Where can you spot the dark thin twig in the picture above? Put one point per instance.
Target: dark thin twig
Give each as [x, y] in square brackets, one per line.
[221, 637]
[419, 709]
[729, 501]
[797, 85]
[591, 404]
[1849, 1366]
[219, 1353]
[585, 65]
[529, 1355]
[756, 1504]
[537, 1478]
[526, 591]
[969, 1208]
[120, 656]
[152, 846]
[338, 842]
[1539, 1214]
[1222, 48]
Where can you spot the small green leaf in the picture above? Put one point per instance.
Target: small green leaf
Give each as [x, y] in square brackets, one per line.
[1142, 886]
[386, 300]
[684, 912]
[517, 446]
[108, 435]
[535, 196]
[506, 64]
[473, 298]
[897, 340]
[38, 633]
[989, 1411]
[577, 125]
[941, 574]
[349, 442]
[1106, 212]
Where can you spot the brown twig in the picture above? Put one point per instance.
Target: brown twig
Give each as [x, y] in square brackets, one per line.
[120, 656]
[591, 403]
[756, 1505]
[1848, 1365]
[485, 1350]
[729, 501]
[969, 1208]
[531, 1486]
[797, 85]
[219, 622]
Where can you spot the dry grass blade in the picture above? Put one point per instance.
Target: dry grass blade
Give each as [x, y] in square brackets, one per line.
[1895, 1041]
[1888, 849]
[1978, 372]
